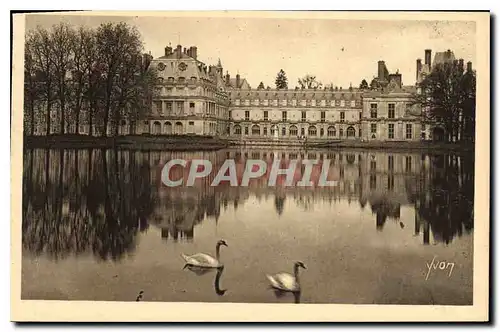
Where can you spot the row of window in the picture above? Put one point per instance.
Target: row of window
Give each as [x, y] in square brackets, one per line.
[391, 111]
[390, 133]
[294, 131]
[293, 102]
[284, 116]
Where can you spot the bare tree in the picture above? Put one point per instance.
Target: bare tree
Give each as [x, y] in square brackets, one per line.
[309, 82]
[60, 47]
[39, 42]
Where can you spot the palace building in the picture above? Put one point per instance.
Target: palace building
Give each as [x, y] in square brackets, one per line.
[190, 97]
[195, 99]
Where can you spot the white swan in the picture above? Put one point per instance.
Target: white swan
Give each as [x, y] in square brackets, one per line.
[204, 260]
[285, 281]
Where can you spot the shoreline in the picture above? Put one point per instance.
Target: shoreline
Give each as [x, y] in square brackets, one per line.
[196, 143]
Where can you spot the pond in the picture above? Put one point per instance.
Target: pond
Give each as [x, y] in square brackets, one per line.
[397, 228]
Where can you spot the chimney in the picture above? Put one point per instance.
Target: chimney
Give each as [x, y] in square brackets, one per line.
[419, 66]
[194, 52]
[179, 51]
[237, 81]
[428, 57]
[461, 63]
[188, 51]
[381, 67]
[168, 50]
[228, 79]
[184, 50]
[469, 66]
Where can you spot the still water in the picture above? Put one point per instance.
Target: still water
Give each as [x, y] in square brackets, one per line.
[97, 225]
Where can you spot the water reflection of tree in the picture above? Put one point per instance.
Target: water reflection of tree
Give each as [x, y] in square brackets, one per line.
[445, 201]
[77, 201]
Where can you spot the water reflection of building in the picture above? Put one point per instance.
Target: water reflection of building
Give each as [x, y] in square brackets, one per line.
[77, 201]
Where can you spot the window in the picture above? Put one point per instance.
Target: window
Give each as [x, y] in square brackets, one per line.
[283, 131]
[360, 115]
[230, 114]
[303, 116]
[312, 131]
[373, 111]
[246, 130]
[390, 182]
[191, 105]
[341, 132]
[191, 123]
[390, 163]
[283, 115]
[255, 130]
[321, 132]
[237, 130]
[373, 128]
[302, 131]
[265, 131]
[359, 132]
[169, 107]
[180, 106]
[293, 131]
[391, 130]
[373, 165]
[391, 111]
[408, 164]
[342, 103]
[408, 131]
[353, 103]
[323, 116]
[266, 115]
[158, 106]
[331, 132]
[342, 116]
[247, 115]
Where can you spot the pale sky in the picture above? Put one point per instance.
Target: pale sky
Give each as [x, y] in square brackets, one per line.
[336, 51]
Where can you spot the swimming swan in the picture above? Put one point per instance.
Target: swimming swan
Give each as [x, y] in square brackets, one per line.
[205, 260]
[285, 281]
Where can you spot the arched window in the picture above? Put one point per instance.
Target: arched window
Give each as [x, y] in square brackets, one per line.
[351, 132]
[157, 128]
[168, 128]
[274, 130]
[293, 131]
[255, 130]
[312, 131]
[237, 130]
[178, 128]
[331, 131]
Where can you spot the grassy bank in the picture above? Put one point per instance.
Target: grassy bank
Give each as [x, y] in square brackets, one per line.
[196, 143]
[133, 142]
[394, 146]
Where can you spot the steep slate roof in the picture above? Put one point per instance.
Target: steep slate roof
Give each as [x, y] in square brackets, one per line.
[443, 57]
[243, 84]
[297, 94]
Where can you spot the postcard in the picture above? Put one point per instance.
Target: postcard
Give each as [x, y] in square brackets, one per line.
[265, 166]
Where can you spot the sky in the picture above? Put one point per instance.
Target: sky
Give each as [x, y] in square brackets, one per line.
[340, 52]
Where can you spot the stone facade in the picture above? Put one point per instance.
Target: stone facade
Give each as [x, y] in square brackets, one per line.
[189, 98]
[195, 99]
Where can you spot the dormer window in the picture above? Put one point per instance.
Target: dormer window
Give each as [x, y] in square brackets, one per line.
[171, 80]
